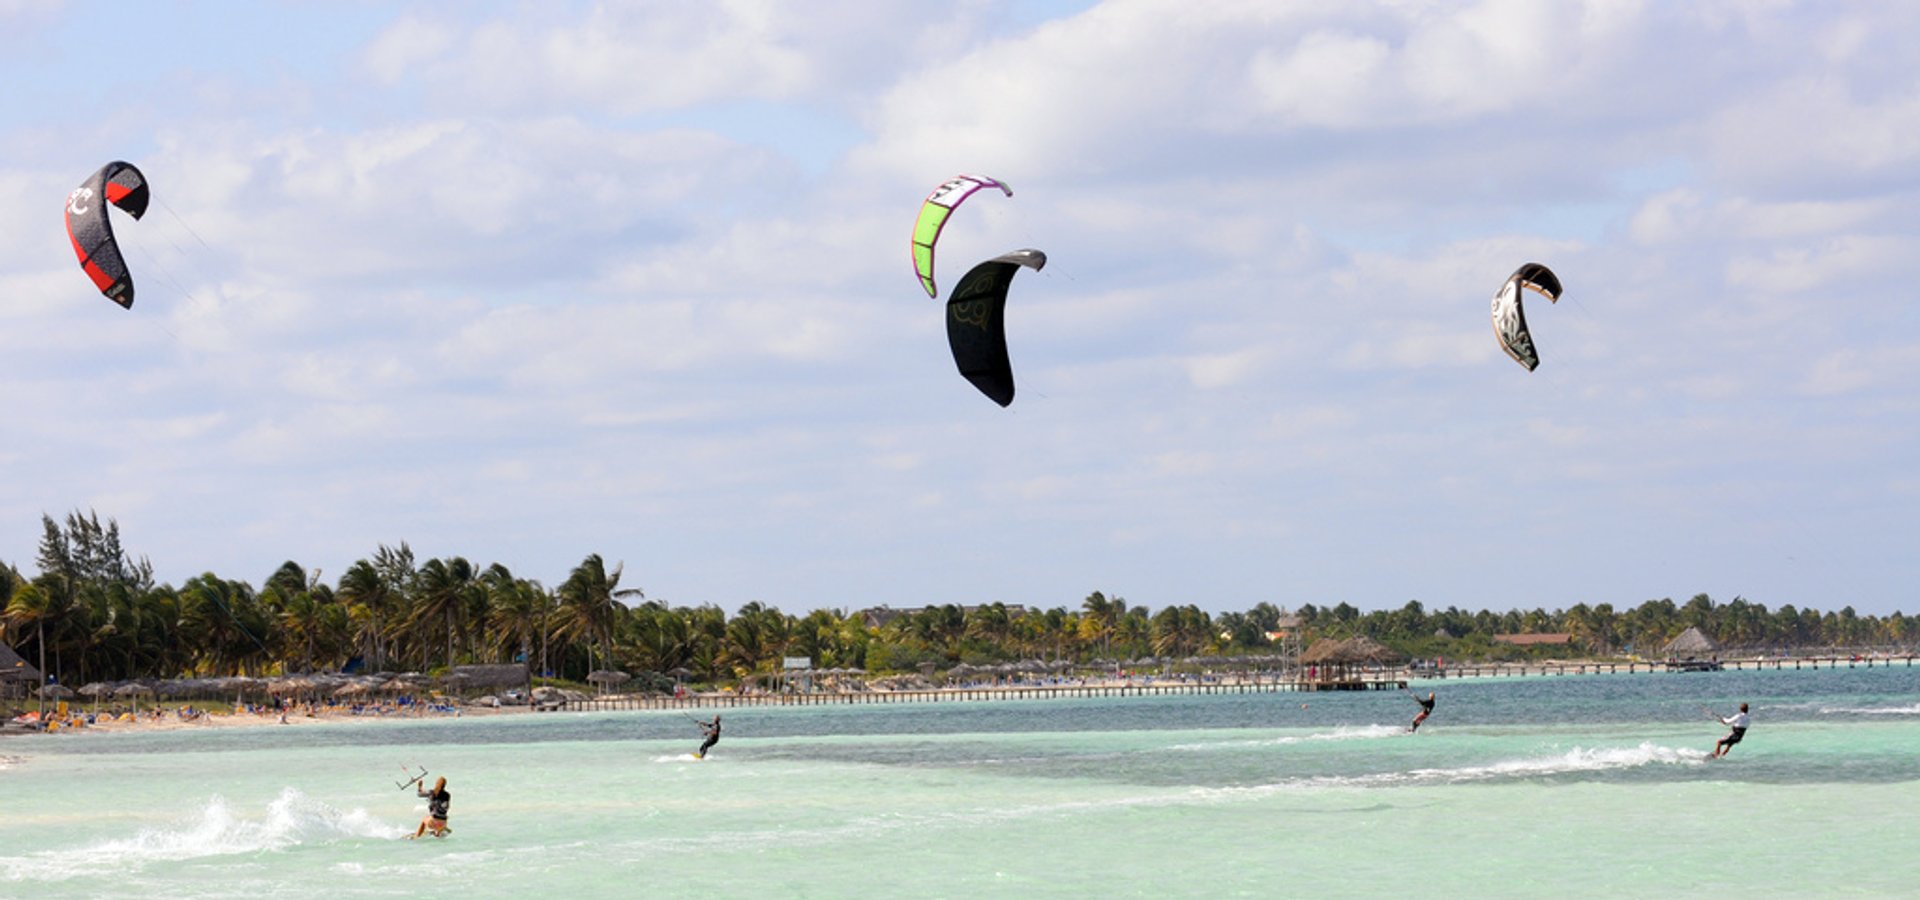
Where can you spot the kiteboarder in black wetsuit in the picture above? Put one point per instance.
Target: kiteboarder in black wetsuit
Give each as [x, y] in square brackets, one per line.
[1426, 709]
[712, 731]
[437, 801]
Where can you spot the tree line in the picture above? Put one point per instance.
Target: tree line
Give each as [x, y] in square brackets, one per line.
[94, 613]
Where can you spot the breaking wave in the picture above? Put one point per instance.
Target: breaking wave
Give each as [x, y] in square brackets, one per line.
[1340, 733]
[1577, 760]
[215, 830]
[1909, 710]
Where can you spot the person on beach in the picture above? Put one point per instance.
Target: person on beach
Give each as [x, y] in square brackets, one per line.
[436, 818]
[1426, 709]
[712, 731]
[1737, 722]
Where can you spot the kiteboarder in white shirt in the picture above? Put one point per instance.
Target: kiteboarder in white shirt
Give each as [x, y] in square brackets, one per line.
[1737, 722]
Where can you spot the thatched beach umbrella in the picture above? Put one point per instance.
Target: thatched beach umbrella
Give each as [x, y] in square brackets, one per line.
[55, 692]
[405, 683]
[605, 679]
[94, 690]
[237, 686]
[177, 688]
[131, 691]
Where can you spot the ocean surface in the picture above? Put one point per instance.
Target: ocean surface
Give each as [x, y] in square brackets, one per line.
[1574, 786]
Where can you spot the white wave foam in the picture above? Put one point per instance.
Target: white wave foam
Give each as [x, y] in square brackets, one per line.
[215, 830]
[1578, 759]
[1339, 733]
[1913, 710]
[1360, 733]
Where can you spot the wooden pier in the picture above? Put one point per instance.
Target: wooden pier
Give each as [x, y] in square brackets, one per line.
[1380, 681]
[1809, 663]
[965, 694]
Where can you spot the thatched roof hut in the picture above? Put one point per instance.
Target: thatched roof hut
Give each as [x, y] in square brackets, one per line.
[1690, 644]
[13, 668]
[1363, 649]
[496, 675]
[1321, 651]
[1342, 662]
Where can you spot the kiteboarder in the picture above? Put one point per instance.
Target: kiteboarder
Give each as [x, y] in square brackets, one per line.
[436, 818]
[1426, 709]
[712, 731]
[1737, 722]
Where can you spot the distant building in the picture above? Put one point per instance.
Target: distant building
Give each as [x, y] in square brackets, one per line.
[1534, 639]
[488, 677]
[17, 676]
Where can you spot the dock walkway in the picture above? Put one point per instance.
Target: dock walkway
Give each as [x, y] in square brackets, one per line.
[1383, 681]
[964, 694]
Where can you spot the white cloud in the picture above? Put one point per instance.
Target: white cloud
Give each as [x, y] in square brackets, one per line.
[640, 58]
[1220, 370]
[1858, 369]
[1837, 260]
[566, 281]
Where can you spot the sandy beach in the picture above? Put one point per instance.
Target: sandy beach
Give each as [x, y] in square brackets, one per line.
[76, 722]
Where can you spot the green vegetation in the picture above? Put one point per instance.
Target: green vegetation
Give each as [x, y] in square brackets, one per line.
[96, 615]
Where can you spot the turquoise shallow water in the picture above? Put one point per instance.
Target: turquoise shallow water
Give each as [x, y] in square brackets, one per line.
[1594, 786]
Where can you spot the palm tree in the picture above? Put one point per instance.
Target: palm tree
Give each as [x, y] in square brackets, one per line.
[1133, 629]
[707, 636]
[515, 611]
[754, 638]
[991, 624]
[28, 605]
[288, 597]
[590, 602]
[307, 618]
[372, 590]
[1180, 630]
[1100, 619]
[225, 624]
[655, 638]
[9, 581]
[442, 590]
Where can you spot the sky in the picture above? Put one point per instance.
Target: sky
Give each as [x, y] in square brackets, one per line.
[527, 282]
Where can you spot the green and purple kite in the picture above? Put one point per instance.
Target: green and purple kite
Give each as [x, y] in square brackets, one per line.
[933, 217]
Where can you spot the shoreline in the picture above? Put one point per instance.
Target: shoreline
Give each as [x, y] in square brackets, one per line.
[974, 692]
[172, 721]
